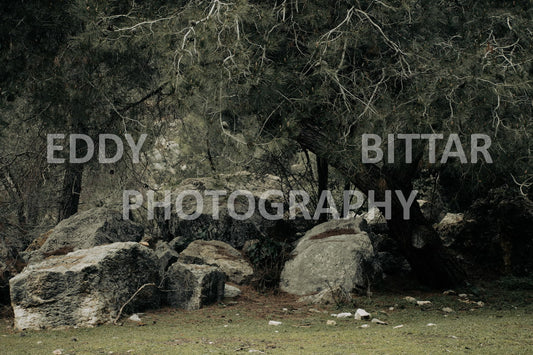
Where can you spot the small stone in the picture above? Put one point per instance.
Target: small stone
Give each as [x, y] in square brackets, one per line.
[431, 324]
[273, 322]
[463, 295]
[391, 308]
[423, 303]
[361, 314]
[480, 303]
[364, 326]
[398, 326]
[344, 315]
[231, 291]
[331, 322]
[135, 318]
[377, 321]
[57, 352]
[410, 299]
[447, 310]
[39, 342]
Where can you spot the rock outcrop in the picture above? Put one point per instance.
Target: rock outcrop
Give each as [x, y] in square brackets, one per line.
[333, 254]
[219, 254]
[85, 287]
[85, 230]
[166, 256]
[223, 227]
[191, 286]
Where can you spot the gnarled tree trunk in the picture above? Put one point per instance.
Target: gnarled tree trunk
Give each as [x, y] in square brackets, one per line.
[70, 194]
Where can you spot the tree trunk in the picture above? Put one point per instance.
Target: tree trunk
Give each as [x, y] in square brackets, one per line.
[430, 261]
[70, 194]
[322, 172]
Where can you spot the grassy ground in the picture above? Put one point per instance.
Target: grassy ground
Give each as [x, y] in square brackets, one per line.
[503, 325]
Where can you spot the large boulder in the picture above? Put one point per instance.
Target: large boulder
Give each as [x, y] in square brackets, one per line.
[333, 254]
[224, 228]
[191, 286]
[219, 254]
[85, 230]
[85, 287]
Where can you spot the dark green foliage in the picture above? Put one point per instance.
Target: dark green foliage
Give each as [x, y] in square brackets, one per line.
[268, 258]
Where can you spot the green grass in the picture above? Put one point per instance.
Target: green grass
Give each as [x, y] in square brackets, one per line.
[500, 327]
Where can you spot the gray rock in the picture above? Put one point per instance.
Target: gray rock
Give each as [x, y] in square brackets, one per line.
[219, 254]
[231, 291]
[166, 256]
[335, 253]
[377, 321]
[85, 287]
[450, 227]
[88, 229]
[224, 228]
[191, 286]
[376, 221]
[179, 243]
[361, 314]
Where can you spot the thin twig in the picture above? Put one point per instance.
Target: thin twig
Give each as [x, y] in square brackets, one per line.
[131, 299]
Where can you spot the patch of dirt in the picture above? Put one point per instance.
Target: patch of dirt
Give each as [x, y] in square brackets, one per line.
[251, 304]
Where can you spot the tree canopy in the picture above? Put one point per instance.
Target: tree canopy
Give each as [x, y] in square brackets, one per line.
[264, 78]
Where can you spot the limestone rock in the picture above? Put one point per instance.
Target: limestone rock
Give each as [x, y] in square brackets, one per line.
[88, 229]
[166, 256]
[449, 227]
[221, 255]
[231, 291]
[85, 287]
[335, 253]
[190, 286]
[224, 228]
[361, 314]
